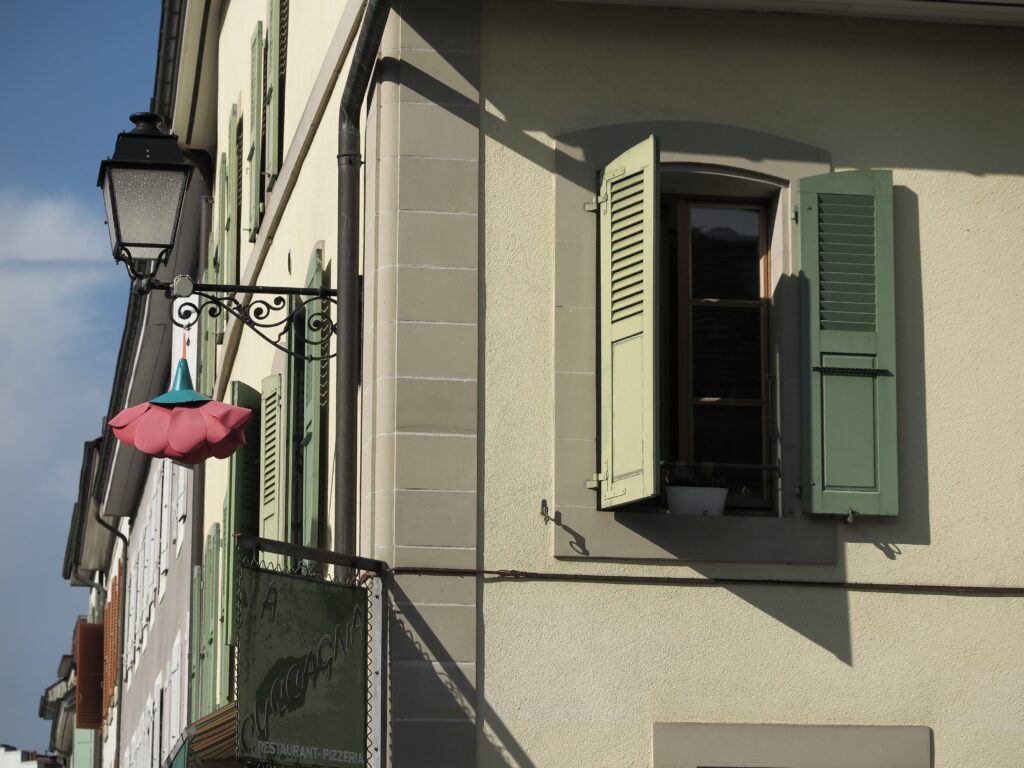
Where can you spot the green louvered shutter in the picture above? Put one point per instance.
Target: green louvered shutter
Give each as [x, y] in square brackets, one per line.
[225, 563]
[256, 133]
[273, 477]
[216, 629]
[223, 217]
[229, 253]
[208, 331]
[209, 618]
[275, 30]
[196, 652]
[628, 326]
[242, 502]
[225, 228]
[846, 235]
[314, 394]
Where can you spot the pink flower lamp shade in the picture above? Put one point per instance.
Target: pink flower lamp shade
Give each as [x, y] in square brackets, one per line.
[183, 424]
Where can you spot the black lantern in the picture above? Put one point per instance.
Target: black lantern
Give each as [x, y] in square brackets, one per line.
[144, 185]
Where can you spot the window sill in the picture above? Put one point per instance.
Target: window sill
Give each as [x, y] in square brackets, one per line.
[689, 745]
[584, 533]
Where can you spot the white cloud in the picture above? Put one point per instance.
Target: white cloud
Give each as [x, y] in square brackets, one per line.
[46, 231]
[61, 315]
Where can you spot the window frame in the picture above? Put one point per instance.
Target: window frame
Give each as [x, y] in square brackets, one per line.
[581, 530]
[768, 503]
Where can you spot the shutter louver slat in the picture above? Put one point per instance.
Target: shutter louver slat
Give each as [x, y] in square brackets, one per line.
[628, 326]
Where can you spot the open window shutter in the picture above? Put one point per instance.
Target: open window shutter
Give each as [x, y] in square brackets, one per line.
[229, 251]
[242, 508]
[256, 133]
[181, 493]
[216, 630]
[311, 443]
[273, 475]
[89, 668]
[226, 562]
[209, 628]
[174, 693]
[152, 546]
[195, 652]
[223, 220]
[208, 356]
[846, 234]
[166, 528]
[273, 90]
[628, 326]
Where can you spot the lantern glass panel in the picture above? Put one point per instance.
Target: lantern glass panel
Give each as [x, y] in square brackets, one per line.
[146, 203]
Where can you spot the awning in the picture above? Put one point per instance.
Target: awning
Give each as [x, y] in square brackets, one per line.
[212, 738]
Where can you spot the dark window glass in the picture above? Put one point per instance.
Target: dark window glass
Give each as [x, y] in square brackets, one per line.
[727, 352]
[730, 435]
[726, 253]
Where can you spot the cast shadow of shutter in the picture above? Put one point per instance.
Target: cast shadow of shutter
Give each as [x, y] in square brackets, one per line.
[912, 525]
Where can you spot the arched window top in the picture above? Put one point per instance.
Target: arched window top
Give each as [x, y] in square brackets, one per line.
[719, 150]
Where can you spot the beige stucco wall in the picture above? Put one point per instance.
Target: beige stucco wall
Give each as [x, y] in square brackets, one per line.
[308, 221]
[580, 672]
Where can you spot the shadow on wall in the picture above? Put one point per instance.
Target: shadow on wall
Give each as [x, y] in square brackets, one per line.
[912, 526]
[822, 615]
[434, 700]
[423, 669]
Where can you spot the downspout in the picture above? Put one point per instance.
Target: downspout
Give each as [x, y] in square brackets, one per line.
[349, 161]
[198, 516]
[122, 621]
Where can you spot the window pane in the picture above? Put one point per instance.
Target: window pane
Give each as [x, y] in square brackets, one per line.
[727, 433]
[727, 352]
[726, 253]
[730, 434]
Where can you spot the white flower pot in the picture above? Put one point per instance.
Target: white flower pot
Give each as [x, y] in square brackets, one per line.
[688, 500]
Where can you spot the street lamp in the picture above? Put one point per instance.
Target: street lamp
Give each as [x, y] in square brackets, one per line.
[144, 186]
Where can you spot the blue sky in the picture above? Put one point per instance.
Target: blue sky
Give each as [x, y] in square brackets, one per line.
[70, 74]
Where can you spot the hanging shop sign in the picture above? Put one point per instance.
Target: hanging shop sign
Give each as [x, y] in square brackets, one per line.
[302, 670]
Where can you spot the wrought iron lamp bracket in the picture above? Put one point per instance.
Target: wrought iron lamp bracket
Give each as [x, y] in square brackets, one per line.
[297, 321]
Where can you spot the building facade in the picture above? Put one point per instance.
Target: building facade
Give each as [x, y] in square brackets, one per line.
[684, 336]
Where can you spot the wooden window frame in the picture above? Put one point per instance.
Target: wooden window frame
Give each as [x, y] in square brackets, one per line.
[682, 336]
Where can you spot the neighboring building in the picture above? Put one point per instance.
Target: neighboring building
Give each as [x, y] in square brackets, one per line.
[129, 543]
[609, 254]
[12, 757]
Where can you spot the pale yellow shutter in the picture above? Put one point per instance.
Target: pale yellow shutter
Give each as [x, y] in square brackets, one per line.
[629, 326]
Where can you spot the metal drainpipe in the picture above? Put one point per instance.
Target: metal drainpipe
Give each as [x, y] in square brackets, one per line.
[198, 516]
[375, 17]
[122, 621]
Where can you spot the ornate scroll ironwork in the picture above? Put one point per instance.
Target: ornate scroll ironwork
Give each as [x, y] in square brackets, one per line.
[302, 315]
[301, 327]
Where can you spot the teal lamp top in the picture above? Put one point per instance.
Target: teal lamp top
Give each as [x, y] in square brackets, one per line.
[182, 392]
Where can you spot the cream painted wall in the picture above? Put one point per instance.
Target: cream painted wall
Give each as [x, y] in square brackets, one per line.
[576, 674]
[311, 214]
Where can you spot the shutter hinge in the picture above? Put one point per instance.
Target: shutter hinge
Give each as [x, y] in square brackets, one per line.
[594, 483]
[593, 205]
[796, 213]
